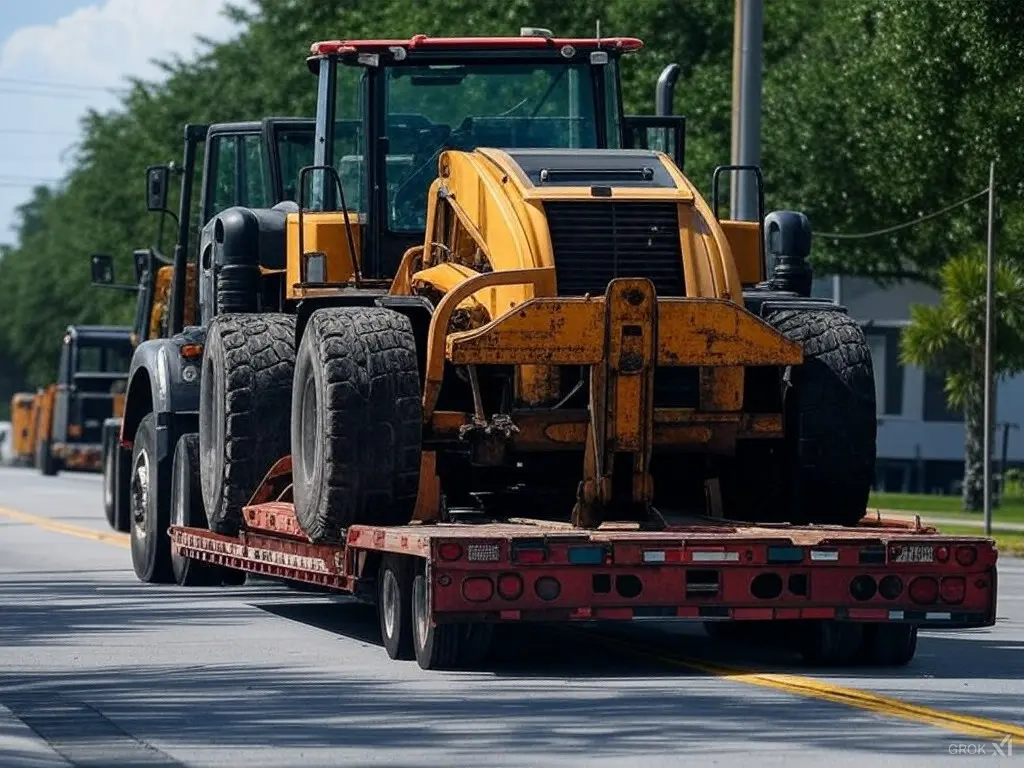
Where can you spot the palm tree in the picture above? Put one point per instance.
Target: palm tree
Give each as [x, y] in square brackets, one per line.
[950, 337]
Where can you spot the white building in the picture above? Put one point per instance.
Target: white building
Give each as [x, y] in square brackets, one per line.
[920, 441]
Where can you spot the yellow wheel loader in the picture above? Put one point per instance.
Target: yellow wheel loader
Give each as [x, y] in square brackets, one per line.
[497, 300]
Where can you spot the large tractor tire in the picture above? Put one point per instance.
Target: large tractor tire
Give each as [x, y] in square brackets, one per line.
[831, 413]
[356, 421]
[244, 399]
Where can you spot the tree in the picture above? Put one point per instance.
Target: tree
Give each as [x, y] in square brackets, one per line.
[950, 337]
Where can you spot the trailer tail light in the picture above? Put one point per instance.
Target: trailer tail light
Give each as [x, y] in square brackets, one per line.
[713, 556]
[483, 553]
[942, 554]
[529, 553]
[966, 556]
[890, 587]
[547, 588]
[825, 555]
[450, 551]
[477, 589]
[657, 556]
[863, 587]
[953, 590]
[510, 586]
[924, 590]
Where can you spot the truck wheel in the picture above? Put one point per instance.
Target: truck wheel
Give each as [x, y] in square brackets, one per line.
[889, 645]
[356, 422]
[444, 646]
[832, 643]
[187, 510]
[150, 507]
[244, 398]
[832, 409]
[109, 486]
[44, 459]
[394, 605]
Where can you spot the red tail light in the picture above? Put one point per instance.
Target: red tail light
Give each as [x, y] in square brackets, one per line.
[530, 555]
[966, 555]
[449, 551]
[953, 589]
[924, 590]
[477, 589]
[942, 554]
[510, 586]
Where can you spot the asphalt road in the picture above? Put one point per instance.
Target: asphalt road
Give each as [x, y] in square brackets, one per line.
[97, 669]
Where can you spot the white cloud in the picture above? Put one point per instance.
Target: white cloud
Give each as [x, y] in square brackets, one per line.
[95, 46]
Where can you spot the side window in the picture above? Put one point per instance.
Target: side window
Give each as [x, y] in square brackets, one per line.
[257, 182]
[223, 174]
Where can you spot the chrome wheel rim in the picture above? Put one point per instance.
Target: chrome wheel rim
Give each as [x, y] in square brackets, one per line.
[390, 602]
[140, 493]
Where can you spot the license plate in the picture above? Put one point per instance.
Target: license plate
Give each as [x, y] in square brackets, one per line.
[914, 553]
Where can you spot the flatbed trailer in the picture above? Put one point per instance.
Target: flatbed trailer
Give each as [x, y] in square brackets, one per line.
[852, 594]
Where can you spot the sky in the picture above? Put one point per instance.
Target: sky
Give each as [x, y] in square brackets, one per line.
[59, 58]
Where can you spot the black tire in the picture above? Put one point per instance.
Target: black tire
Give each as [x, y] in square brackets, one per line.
[244, 398]
[832, 412]
[122, 499]
[150, 507]
[110, 485]
[44, 459]
[889, 645]
[443, 646]
[356, 425]
[832, 643]
[187, 510]
[394, 605]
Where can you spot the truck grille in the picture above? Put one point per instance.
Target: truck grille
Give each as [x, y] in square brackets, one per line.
[594, 242]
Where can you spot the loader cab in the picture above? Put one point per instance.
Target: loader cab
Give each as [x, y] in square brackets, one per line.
[387, 109]
[249, 165]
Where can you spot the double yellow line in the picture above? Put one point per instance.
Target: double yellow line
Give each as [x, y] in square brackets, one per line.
[966, 725]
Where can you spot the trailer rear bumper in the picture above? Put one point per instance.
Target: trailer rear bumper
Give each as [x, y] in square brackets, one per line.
[531, 571]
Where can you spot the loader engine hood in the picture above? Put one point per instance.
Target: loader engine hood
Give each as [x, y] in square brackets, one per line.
[601, 168]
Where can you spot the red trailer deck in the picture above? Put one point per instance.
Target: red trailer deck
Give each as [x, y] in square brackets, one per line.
[852, 594]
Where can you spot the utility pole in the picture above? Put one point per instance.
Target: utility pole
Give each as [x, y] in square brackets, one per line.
[989, 291]
[748, 33]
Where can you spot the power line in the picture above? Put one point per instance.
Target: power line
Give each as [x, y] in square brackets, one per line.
[55, 84]
[904, 225]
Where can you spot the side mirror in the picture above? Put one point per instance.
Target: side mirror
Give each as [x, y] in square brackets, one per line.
[102, 269]
[156, 187]
[142, 260]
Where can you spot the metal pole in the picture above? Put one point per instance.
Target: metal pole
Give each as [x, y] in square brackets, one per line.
[989, 291]
[748, 119]
[737, 67]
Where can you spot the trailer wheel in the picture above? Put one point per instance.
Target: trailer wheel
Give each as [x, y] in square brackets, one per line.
[443, 646]
[187, 510]
[150, 507]
[356, 422]
[832, 402]
[832, 643]
[394, 605]
[110, 487]
[889, 645]
[244, 395]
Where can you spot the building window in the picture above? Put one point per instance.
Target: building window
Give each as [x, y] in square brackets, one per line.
[884, 343]
[936, 407]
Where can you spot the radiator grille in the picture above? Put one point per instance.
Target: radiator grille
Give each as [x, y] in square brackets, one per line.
[594, 242]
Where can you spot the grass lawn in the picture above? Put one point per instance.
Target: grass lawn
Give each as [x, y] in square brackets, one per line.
[1009, 543]
[1011, 510]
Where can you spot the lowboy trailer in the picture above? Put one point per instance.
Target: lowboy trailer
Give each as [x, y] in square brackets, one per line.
[850, 594]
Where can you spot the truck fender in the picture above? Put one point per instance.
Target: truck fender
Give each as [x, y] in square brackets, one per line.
[162, 381]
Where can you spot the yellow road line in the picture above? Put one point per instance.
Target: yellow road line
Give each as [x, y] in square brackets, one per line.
[804, 686]
[107, 537]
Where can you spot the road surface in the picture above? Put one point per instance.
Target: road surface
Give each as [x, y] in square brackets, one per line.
[97, 669]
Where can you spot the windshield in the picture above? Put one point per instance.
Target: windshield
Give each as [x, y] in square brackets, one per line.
[438, 107]
[107, 356]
